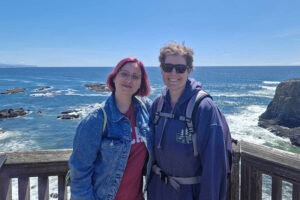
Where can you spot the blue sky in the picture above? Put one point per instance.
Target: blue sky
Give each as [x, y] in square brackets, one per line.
[100, 33]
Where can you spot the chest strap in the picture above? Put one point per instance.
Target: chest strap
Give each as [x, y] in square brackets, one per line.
[174, 181]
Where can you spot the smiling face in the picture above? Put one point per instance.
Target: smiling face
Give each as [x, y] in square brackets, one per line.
[173, 80]
[128, 80]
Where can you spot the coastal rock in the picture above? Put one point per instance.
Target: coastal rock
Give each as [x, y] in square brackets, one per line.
[69, 114]
[2, 131]
[99, 87]
[12, 91]
[10, 113]
[282, 116]
[42, 89]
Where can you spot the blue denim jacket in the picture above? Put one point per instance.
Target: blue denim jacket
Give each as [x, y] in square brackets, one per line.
[99, 159]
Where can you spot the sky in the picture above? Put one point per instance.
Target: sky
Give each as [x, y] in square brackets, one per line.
[102, 32]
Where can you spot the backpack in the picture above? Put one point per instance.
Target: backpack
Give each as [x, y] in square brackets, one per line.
[68, 175]
[188, 118]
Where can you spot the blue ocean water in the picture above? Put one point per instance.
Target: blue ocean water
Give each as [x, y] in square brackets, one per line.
[242, 93]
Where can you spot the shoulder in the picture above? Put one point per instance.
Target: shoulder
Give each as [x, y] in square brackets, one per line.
[93, 118]
[145, 102]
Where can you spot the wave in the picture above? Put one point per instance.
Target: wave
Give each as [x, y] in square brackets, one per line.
[268, 88]
[244, 126]
[53, 93]
[16, 141]
[102, 94]
[271, 82]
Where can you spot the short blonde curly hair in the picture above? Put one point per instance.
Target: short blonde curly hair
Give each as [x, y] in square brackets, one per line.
[177, 49]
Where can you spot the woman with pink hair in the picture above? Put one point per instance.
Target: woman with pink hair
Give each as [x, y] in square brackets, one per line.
[113, 144]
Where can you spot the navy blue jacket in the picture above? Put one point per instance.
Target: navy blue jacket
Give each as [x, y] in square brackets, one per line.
[173, 150]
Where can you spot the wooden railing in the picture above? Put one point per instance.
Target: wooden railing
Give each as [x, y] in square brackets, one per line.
[255, 161]
[41, 164]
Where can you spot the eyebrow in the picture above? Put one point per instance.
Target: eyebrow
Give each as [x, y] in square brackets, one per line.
[124, 70]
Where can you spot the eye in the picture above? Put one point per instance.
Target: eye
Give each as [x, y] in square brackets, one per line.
[135, 77]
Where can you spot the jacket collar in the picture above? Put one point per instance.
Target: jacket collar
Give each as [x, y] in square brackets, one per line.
[115, 113]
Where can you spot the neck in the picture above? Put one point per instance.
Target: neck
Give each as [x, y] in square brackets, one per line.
[175, 95]
[122, 102]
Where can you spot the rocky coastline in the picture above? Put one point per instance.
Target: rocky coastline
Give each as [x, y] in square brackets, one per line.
[282, 116]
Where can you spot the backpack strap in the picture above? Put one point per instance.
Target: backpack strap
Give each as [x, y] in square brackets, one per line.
[194, 101]
[141, 101]
[105, 118]
[158, 110]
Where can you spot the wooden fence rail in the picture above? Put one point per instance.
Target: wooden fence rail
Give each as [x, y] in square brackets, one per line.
[255, 161]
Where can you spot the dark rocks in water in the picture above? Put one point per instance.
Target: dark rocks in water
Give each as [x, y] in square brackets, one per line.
[295, 136]
[282, 116]
[39, 112]
[54, 195]
[42, 89]
[2, 131]
[15, 90]
[10, 113]
[99, 87]
[69, 114]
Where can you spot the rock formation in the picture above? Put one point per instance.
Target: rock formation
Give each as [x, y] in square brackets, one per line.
[282, 116]
[98, 87]
[10, 113]
[15, 90]
[69, 114]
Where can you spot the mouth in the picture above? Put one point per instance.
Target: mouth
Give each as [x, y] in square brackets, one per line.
[127, 86]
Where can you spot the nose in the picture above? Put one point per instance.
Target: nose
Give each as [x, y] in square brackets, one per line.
[173, 70]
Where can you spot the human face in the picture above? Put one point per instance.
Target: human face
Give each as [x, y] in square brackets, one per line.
[173, 80]
[128, 79]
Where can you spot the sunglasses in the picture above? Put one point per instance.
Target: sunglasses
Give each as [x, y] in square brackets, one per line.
[180, 68]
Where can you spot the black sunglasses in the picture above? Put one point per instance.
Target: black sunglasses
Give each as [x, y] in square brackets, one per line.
[180, 68]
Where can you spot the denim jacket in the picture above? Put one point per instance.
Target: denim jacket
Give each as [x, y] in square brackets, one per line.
[99, 158]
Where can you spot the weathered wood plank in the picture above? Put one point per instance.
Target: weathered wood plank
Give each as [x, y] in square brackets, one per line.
[5, 188]
[296, 191]
[43, 188]
[276, 189]
[62, 189]
[255, 184]
[27, 157]
[31, 170]
[274, 162]
[24, 188]
[245, 179]
[234, 181]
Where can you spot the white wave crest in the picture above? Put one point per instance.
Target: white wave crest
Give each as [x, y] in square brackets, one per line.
[271, 82]
[268, 88]
[244, 126]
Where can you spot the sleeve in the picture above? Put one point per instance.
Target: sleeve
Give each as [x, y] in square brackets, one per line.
[86, 145]
[211, 146]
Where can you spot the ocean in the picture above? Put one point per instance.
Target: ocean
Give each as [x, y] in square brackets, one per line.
[242, 93]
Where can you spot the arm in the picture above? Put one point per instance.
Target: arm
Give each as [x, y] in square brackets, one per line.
[85, 150]
[211, 147]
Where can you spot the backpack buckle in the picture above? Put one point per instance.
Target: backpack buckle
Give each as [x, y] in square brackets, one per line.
[164, 177]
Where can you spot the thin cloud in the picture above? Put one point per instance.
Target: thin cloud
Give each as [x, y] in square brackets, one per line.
[286, 34]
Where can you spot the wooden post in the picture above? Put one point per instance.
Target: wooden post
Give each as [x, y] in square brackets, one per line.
[233, 185]
[276, 189]
[5, 188]
[62, 189]
[296, 191]
[43, 187]
[255, 184]
[245, 180]
[24, 188]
